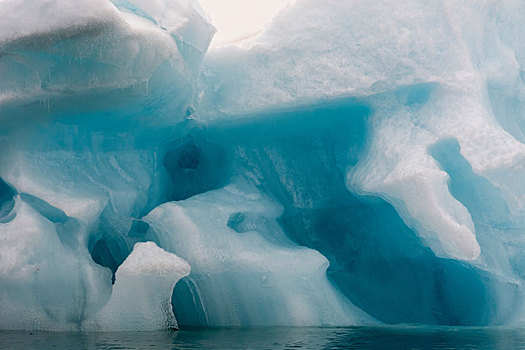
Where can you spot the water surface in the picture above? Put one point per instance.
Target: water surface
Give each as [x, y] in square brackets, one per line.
[390, 338]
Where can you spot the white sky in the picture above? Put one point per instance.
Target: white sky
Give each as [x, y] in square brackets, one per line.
[237, 20]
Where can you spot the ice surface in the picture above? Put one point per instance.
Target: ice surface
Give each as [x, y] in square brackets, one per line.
[51, 50]
[46, 283]
[352, 163]
[245, 272]
[141, 297]
[422, 68]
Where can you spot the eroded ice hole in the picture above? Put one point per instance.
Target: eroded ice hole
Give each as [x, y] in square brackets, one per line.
[242, 222]
[101, 254]
[194, 166]
[7, 202]
[189, 158]
[110, 247]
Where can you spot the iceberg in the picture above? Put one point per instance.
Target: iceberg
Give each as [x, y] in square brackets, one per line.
[351, 163]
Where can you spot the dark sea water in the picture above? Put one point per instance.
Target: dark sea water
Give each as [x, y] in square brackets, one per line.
[277, 338]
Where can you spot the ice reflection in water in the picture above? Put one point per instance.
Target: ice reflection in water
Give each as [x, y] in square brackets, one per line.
[391, 338]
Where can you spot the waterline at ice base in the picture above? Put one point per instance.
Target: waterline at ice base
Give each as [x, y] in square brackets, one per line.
[348, 163]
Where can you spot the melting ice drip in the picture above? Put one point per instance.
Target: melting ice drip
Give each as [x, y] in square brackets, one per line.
[354, 163]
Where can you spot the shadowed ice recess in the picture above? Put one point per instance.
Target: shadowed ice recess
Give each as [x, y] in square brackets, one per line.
[354, 163]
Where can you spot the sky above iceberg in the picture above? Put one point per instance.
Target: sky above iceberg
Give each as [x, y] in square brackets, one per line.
[238, 20]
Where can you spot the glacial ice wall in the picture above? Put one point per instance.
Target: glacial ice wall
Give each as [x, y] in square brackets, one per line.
[355, 163]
